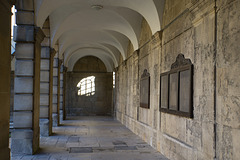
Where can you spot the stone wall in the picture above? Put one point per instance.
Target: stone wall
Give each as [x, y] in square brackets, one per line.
[228, 81]
[189, 28]
[100, 103]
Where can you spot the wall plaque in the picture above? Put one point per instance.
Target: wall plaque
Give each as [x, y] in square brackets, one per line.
[176, 88]
[145, 90]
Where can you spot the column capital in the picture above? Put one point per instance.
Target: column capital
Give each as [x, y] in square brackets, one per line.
[60, 61]
[52, 51]
[38, 34]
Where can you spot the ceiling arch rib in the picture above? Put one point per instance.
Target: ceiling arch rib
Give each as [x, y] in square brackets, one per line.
[96, 50]
[88, 52]
[104, 20]
[91, 37]
[115, 54]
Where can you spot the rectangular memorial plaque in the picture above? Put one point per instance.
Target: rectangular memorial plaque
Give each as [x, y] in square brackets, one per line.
[173, 92]
[176, 88]
[145, 90]
[164, 91]
[184, 101]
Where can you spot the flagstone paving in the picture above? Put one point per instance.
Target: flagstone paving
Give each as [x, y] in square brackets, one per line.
[92, 138]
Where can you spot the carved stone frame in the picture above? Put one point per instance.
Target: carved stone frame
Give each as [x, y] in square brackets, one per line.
[179, 66]
[145, 84]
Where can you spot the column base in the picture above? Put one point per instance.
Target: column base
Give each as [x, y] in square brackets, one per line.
[44, 127]
[22, 142]
[61, 116]
[55, 119]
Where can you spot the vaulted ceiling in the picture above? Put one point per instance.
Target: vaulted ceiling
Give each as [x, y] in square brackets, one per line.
[101, 28]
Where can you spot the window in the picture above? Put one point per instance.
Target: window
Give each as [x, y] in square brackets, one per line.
[114, 75]
[86, 86]
[12, 26]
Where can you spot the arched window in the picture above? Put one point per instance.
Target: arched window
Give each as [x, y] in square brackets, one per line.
[86, 86]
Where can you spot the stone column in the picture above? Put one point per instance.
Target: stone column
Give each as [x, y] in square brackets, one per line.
[28, 38]
[64, 92]
[61, 92]
[46, 79]
[5, 70]
[58, 89]
[55, 104]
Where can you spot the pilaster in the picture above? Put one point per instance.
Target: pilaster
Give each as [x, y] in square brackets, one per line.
[55, 104]
[45, 85]
[28, 38]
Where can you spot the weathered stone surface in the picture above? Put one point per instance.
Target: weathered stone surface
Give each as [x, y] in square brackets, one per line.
[44, 112]
[24, 33]
[24, 68]
[25, 5]
[55, 72]
[24, 18]
[100, 103]
[23, 85]
[55, 119]
[44, 99]
[45, 64]
[44, 127]
[18, 119]
[45, 52]
[44, 88]
[44, 76]
[24, 50]
[23, 102]
[54, 107]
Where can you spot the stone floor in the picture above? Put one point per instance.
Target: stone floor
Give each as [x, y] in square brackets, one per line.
[92, 138]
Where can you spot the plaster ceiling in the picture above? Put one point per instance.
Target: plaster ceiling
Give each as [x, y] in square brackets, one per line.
[78, 30]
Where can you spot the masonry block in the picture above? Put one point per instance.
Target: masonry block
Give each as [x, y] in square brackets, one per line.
[44, 99]
[23, 85]
[45, 52]
[55, 63]
[23, 102]
[24, 68]
[44, 127]
[55, 81]
[26, 5]
[55, 72]
[44, 87]
[44, 64]
[24, 51]
[44, 111]
[61, 105]
[55, 89]
[24, 33]
[54, 108]
[25, 18]
[55, 119]
[22, 141]
[22, 119]
[44, 76]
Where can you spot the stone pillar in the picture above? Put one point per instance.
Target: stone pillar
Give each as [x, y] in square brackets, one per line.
[55, 115]
[64, 92]
[46, 79]
[61, 92]
[28, 38]
[5, 70]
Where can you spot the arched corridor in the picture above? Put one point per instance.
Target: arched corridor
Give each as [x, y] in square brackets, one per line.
[92, 138]
[167, 70]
